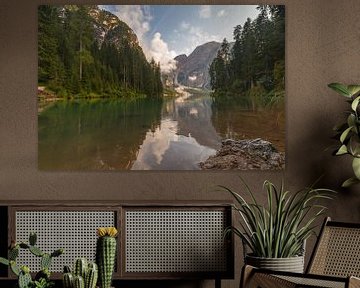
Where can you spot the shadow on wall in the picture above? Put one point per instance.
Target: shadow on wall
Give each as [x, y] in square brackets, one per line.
[333, 170]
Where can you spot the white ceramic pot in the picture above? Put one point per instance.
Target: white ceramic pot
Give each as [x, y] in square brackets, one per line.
[291, 264]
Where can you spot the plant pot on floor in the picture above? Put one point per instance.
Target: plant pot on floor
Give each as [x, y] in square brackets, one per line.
[290, 264]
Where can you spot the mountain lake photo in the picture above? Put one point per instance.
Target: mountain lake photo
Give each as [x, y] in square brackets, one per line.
[161, 87]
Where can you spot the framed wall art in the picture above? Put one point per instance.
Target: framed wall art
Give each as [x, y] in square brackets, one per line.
[161, 87]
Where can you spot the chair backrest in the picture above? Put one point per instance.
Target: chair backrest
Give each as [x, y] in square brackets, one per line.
[337, 251]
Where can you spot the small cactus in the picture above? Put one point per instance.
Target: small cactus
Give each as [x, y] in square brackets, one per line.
[32, 239]
[44, 273]
[80, 268]
[79, 282]
[57, 252]
[68, 280]
[36, 251]
[13, 253]
[24, 246]
[67, 269]
[14, 268]
[45, 261]
[24, 280]
[106, 254]
[23, 273]
[91, 276]
[88, 273]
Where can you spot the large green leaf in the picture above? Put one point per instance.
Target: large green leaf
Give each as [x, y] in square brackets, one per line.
[342, 150]
[355, 103]
[353, 89]
[341, 89]
[356, 167]
[345, 134]
[351, 119]
[354, 144]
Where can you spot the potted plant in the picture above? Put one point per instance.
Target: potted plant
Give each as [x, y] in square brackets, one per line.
[42, 278]
[349, 132]
[276, 233]
[84, 274]
[106, 254]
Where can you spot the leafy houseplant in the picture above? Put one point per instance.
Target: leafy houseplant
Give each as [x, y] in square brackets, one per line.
[279, 229]
[42, 278]
[349, 132]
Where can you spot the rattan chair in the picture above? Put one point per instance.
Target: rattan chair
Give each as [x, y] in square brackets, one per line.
[334, 263]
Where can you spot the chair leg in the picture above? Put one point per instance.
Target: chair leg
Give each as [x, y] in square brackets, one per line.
[217, 283]
[246, 274]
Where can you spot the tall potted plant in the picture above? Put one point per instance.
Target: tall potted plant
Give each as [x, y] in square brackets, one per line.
[349, 132]
[276, 233]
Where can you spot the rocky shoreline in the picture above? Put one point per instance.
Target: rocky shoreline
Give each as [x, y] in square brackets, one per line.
[45, 99]
[248, 154]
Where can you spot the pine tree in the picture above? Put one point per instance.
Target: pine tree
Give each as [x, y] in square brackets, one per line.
[51, 69]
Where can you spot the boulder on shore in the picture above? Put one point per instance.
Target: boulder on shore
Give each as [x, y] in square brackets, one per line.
[245, 154]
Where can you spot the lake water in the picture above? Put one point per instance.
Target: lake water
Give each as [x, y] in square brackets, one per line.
[172, 134]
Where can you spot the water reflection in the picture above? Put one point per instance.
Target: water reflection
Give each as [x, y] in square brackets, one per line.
[241, 121]
[173, 134]
[95, 135]
[184, 138]
[165, 149]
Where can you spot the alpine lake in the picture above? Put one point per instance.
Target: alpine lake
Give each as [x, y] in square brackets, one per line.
[176, 133]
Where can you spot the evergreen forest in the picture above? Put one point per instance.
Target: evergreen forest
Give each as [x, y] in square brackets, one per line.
[81, 55]
[253, 67]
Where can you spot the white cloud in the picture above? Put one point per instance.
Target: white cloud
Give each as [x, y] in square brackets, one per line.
[205, 11]
[137, 17]
[159, 50]
[221, 13]
[195, 36]
[184, 25]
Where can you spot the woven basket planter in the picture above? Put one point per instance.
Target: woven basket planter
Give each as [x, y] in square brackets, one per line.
[291, 264]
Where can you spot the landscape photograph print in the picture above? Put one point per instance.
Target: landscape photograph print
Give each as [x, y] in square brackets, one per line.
[161, 87]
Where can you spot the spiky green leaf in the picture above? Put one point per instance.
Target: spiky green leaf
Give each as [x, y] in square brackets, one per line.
[280, 228]
[340, 88]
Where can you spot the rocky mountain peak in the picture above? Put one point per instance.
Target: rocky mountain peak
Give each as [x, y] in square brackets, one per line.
[110, 28]
[180, 59]
[193, 70]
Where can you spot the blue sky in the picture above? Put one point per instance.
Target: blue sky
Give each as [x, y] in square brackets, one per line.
[165, 31]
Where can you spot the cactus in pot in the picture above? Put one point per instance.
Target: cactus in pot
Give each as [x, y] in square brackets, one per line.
[42, 278]
[85, 275]
[106, 254]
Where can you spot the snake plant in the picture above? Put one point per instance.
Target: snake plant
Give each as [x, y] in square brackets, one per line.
[279, 228]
